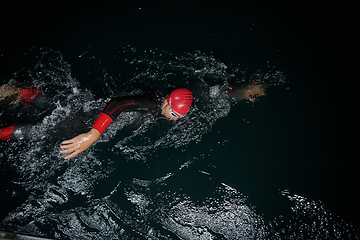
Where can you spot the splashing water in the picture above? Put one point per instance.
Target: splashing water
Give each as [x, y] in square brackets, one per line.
[59, 198]
[311, 220]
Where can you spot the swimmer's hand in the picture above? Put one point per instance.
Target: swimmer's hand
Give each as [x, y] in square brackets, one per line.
[79, 143]
[251, 92]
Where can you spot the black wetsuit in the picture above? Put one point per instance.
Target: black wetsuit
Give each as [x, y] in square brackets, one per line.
[144, 108]
[144, 104]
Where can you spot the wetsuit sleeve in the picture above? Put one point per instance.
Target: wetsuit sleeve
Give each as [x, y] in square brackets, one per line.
[102, 122]
[27, 95]
[5, 133]
[118, 105]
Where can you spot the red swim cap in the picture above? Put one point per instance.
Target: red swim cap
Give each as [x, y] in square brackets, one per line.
[181, 100]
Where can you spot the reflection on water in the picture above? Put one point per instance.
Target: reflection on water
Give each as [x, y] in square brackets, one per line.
[58, 198]
[311, 220]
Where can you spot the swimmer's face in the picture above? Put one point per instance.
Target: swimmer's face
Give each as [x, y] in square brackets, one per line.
[165, 111]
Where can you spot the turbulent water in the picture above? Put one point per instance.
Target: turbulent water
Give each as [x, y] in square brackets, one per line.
[134, 183]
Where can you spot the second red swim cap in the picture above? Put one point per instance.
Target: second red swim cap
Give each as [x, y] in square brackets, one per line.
[181, 100]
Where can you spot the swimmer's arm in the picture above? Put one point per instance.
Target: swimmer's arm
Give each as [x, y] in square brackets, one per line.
[250, 92]
[79, 143]
[83, 141]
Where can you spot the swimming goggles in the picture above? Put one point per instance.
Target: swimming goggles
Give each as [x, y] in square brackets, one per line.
[172, 112]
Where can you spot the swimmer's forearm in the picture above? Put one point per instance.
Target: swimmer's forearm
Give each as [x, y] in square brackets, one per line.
[95, 133]
[239, 94]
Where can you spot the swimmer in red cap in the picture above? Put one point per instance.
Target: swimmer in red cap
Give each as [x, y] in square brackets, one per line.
[174, 107]
[15, 94]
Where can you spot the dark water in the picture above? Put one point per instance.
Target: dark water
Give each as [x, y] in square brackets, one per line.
[272, 169]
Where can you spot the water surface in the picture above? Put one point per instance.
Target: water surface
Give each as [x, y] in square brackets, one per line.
[230, 170]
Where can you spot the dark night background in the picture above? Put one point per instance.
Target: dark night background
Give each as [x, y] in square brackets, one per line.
[322, 33]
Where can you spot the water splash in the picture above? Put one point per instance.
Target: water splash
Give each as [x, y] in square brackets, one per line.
[311, 220]
[139, 208]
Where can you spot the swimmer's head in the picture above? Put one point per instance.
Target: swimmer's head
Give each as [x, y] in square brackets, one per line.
[177, 104]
